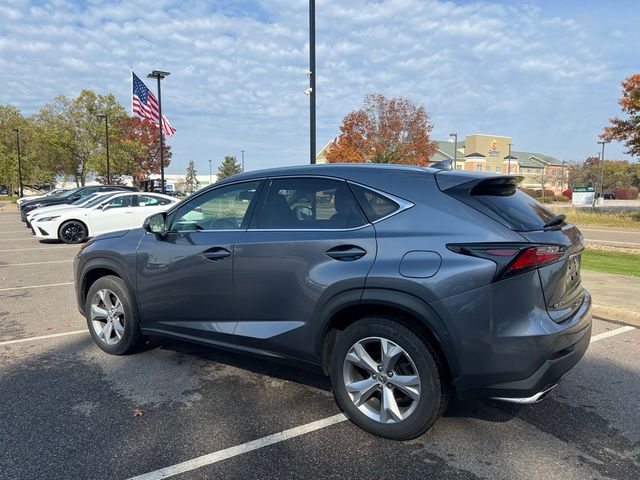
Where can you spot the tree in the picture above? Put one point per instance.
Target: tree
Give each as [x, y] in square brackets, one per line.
[385, 130]
[229, 167]
[137, 149]
[627, 131]
[191, 179]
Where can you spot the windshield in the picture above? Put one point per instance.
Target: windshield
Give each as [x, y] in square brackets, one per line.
[80, 201]
[99, 199]
[68, 193]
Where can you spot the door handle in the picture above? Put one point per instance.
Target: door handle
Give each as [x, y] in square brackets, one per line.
[216, 253]
[346, 253]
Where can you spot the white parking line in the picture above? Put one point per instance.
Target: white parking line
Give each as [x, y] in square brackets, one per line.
[43, 337]
[46, 247]
[35, 286]
[25, 230]
[34, 263]
[611, 333]
[220, 455]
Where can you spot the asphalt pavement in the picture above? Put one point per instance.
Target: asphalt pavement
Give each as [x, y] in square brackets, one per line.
[613, 236]
[68, 410]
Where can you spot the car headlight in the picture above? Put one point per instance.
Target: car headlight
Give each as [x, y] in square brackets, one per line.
[48, 219]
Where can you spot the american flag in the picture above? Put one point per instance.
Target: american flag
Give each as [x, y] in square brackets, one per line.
[145, 105]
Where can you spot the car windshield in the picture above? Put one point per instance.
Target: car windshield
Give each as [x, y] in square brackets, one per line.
[99, 199]
[80, 201]
[68, 193]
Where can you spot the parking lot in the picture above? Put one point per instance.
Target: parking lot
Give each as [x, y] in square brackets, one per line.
[68, 410]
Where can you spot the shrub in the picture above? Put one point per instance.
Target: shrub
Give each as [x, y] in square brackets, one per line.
[568, 193]
[626, 193]
[561, 198]
[547, 193]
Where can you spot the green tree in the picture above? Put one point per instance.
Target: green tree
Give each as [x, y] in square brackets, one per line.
[228, 167]
[72, 136]
[191, 179]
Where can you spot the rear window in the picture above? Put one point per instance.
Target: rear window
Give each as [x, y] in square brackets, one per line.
[375, 205]
[502, 201]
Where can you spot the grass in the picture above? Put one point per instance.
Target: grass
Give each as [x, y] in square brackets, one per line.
[8, 199]
[607, 261]
[585, 217]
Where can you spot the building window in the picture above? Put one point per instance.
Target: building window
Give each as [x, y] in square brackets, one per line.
[528, 170]
[498, 169]
[458, 166]
[478, 168]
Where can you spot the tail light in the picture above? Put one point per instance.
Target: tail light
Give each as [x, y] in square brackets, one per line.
[512, 259]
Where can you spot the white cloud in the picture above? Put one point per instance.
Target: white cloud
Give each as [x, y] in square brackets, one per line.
[238, 69]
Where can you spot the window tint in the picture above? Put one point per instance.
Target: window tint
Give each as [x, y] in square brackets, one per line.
[83, 200]
[100, 199]
[224, 208]
[151, 201]
[120, 202]
[310, 203]
[375, 205]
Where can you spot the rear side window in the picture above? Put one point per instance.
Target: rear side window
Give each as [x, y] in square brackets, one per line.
[375, 205]
[502, 201]
[310, 203]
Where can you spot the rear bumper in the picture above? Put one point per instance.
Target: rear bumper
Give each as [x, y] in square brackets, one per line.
[534, 364]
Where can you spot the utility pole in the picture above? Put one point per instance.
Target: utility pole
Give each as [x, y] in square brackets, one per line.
[509, 162]
[210, 174]
[312, 81]
[159, 75]
[21, 190]
[455, 149]
[602, 172]
[106, 129]
[242, 153]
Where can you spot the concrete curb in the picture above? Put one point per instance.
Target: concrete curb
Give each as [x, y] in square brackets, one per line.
[608, 312]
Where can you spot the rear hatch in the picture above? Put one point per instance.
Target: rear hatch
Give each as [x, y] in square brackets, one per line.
[552, 245]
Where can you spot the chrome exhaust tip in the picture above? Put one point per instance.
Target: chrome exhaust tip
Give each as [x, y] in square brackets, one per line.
[538, 397]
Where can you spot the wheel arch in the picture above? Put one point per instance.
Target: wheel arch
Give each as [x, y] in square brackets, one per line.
[96, 269]
[403, 307]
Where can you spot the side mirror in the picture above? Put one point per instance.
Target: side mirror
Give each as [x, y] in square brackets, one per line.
[104, 206]
[75, 197]
[157, 224]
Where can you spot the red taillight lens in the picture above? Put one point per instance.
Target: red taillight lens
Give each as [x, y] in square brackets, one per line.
[534, 257]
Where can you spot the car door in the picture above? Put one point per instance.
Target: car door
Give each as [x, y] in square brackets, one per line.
[185, 279]
[116, 214]
[310, 244]
[147, 205]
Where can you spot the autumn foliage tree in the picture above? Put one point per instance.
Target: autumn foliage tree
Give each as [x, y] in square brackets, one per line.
[384, 130]
[627, 130]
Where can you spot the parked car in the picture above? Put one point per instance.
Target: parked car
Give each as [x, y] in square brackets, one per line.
[50, 194]
[404, 285]
[4, 190]
[120, 211]
[67, 197]
[81, 202]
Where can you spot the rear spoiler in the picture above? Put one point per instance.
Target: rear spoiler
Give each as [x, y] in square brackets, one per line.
[474, 180]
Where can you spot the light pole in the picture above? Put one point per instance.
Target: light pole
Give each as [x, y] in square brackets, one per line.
[159, 75]
[242, 152]
[509, 161]
[455, 149]
[602, 172]
[106, 134]
[312, 81]
[21, 190]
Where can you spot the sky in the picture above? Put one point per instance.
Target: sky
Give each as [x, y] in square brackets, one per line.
[546, 73]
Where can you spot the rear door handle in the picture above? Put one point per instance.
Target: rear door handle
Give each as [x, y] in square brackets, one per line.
[216, 253]
[346, 253]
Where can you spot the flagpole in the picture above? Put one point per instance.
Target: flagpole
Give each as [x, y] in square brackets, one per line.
[158, 75]
[131, 89]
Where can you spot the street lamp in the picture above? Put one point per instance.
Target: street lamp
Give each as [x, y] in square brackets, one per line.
[312, 81]
[455, 149]
[242, 152]
[21, 190]
[106, 130]
[210, 175]
[509, 161]
[159, 75]
[602, 172]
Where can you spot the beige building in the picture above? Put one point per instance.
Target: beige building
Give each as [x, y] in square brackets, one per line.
[491, 153]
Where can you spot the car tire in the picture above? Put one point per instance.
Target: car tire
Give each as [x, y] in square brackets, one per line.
[418, 399]
[108, 302]
[73, 231]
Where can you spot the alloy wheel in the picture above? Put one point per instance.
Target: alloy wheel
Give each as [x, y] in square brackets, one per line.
[72, 232]
[381, 380]
[107, 317]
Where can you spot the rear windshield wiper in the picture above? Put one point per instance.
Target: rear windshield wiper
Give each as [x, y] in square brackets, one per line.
[555, 221]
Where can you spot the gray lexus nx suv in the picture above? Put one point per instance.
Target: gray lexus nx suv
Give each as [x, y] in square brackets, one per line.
[405, 285]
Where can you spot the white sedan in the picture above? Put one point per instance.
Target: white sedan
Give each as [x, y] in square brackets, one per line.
[81, 202]
[122, 211]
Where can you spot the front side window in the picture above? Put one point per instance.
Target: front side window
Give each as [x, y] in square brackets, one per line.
[224, 208]
[120, 202]
[310, 203]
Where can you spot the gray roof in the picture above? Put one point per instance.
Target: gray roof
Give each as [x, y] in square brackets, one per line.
[446, 150]
[534, 160]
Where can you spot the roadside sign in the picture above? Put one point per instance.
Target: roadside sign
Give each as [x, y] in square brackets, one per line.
[583, 195]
